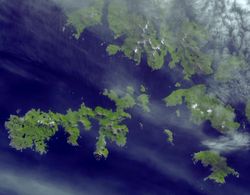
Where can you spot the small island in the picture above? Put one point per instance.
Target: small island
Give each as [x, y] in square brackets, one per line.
[218, 165]
[170, 136]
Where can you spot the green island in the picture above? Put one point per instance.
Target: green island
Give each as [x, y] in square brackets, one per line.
[87, 16]
[146, 35]
[204, 107]
[143, 99]
[36, 128]
[113, 49]
[170, 136]
[218, 165]
[135, 34]
[154, 36]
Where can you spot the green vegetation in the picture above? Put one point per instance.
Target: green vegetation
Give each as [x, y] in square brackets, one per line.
[119, 18]
[218, 165]
[149, 34]
[188, 49]
[204, 107]
[143, 99]
[110, 129]
[143, 89]
[113, 49]
[71, 120]
[170, 136]
[228, 67]
[125, 102]
[129, 99]
[145, 35]
[36, 128]
[141, 33]
[31, 130]
[87, 16]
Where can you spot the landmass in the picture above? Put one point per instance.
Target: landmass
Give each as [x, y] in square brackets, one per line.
[113, 49]
[85, 17]
[143, 99]
[36, 128]
[207, 107]
[170, 136]
[204, 107]
[135, 34]
[218, 165]
[153, 35]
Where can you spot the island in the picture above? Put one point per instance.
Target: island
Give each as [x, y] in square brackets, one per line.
[170, 136]
[218, 165]
[204, 107]
[207, 107]
[85, 17]
[168, 44]
[36, 128]
[154, 36]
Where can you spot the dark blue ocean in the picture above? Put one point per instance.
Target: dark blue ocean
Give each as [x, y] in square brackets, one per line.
[43, 66]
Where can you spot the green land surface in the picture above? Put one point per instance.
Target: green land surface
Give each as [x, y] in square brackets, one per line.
[86, 17]
[36, 128]
[204, 107]
[170, 136]
[218, 165]
[147, 34]
[156, 36]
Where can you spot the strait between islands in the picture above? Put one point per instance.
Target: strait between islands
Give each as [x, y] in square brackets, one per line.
[156, 36]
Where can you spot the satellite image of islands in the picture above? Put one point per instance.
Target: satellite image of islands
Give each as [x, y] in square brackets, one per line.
[124, 97]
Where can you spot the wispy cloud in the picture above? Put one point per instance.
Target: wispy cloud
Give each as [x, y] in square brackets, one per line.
[27, 185]
[24, 181]
[229, 143]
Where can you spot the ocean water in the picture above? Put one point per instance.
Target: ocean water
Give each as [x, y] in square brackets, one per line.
[42, 66]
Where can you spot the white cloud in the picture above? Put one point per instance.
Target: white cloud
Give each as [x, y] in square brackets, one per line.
[23, 184]
[229, 143]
